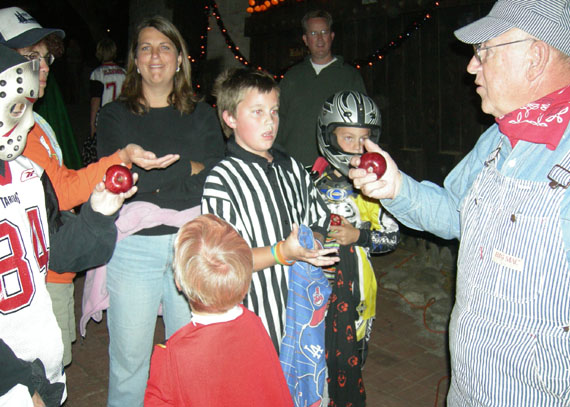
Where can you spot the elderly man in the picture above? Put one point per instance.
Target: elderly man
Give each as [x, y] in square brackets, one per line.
[508, 203]
[308, 84]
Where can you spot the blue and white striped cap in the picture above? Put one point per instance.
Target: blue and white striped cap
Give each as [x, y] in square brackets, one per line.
[547, 20]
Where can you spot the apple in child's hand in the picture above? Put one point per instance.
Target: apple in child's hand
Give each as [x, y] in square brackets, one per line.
[373, 162]
[118, 179]
[335, 220]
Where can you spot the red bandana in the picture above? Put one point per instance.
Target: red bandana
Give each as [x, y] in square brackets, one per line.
[542, 122]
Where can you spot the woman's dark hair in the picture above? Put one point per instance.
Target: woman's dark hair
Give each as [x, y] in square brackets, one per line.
[182, 96]
[54, 44]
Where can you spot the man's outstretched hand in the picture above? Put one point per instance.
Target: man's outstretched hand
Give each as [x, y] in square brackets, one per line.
[386, 187]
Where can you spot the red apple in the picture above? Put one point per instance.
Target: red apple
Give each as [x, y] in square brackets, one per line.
[335, 220]
[373, 162]
[118, 179]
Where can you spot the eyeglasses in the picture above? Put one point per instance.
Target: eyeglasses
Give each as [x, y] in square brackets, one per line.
[48, 58]
[321, 32]
[477, 48]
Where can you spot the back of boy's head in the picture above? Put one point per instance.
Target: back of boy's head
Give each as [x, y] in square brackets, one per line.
[106, 50]
[231, 86]
[212, 264]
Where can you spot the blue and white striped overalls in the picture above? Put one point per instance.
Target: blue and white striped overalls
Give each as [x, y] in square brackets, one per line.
[509, 336]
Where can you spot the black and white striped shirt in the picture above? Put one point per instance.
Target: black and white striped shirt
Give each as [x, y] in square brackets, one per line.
[262, 200]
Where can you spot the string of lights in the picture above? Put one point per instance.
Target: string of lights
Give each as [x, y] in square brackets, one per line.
[258, 6]
[211, 9]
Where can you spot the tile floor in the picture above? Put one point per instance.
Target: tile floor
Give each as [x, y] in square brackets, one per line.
[407, 364]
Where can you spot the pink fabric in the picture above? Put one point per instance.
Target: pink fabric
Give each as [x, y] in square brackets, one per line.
[133, 217]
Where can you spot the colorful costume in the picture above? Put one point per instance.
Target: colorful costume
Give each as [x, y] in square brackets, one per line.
[352, 305]
[303, 348]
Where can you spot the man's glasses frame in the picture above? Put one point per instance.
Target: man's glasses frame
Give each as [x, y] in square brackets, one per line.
[477, 49]
[320, 32]
[35, 56]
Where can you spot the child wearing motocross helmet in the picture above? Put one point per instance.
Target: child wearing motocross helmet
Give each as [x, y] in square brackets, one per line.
[346, 120]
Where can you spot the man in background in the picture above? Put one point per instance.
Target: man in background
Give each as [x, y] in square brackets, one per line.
[308, 84]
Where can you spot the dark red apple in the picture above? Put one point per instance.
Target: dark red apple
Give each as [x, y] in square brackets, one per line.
[335, 220]
[118, 179]
[373, 162]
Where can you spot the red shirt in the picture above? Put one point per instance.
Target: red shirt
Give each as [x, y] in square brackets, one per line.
[230, 363]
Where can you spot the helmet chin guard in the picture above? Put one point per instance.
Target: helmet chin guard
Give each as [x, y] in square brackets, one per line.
[345, 109]
[19, 89]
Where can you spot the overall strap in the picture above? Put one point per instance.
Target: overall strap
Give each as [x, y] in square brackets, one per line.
[559, 175]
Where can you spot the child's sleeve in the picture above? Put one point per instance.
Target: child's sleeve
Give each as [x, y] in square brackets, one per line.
[158, 389]
[380, 232]
[216, 200]
[318, 211]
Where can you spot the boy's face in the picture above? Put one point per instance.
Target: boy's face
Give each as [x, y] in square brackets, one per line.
[351, 139]
[256, 121]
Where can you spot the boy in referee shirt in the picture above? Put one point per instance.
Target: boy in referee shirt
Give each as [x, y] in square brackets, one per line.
[263, 193]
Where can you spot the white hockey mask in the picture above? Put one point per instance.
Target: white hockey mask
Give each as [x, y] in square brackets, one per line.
[19, 89]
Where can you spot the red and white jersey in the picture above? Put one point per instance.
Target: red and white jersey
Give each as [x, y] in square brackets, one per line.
[112, 77]
[27, 322]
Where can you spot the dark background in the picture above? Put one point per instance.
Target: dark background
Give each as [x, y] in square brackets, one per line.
[431, 114]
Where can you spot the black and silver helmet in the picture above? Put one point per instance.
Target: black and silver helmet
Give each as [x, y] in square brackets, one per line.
[345, 109]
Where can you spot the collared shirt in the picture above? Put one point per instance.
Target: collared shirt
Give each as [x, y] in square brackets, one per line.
[207, 319]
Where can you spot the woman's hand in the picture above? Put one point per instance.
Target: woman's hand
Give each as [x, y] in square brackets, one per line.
[345, 234]
[292, 250]
[147, 160]
[197, 167]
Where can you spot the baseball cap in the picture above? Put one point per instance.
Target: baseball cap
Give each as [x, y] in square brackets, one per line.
[547, 20]
[18, 29]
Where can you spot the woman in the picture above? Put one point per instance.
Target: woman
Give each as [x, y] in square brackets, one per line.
[157, 110]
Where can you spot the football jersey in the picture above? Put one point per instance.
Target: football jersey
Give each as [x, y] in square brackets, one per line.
[27, 323]
[112, 77]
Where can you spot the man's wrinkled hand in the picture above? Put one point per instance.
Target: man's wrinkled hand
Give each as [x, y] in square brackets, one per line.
[386, 187]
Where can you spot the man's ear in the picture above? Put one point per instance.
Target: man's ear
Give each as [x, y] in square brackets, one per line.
[229, 119]
[305, 40]
[539, 54]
